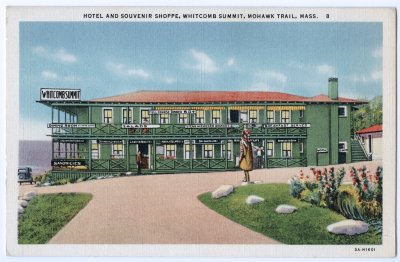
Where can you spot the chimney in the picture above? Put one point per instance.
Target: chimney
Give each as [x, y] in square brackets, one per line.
[333, 88]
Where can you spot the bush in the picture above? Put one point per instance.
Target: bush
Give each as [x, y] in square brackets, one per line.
[305, 195]
[348, 205]
[296, 187]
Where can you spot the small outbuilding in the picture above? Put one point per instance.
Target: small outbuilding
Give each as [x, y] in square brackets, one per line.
[371, 137]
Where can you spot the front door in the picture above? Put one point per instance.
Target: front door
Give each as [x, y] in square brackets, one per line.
[144, 148]
[342, 157]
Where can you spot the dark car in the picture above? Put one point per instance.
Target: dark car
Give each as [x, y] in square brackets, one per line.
[25, 175]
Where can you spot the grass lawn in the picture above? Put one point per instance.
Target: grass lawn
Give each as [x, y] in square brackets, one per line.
[47, 214]
[305, 226]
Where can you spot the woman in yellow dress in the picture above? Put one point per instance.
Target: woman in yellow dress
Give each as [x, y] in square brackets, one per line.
[246, 154]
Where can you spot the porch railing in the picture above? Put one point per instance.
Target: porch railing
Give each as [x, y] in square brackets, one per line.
[286, 162]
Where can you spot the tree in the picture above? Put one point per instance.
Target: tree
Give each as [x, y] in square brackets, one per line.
[367, 115]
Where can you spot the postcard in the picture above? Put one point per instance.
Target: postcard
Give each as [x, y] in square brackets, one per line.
[201, 131]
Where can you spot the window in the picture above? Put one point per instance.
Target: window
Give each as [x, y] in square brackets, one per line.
[127, 115]
[270, 116]
[208, 151]
[301, 147]
[183, 118]
[95, 150]
[342, 146]
[227, 149]
[117, 151]
[107, 115]
[216, 116]
[199, 117]
[270, 148]
[342, 111]
[164, 118]
[253, 116]
[145, 116]
[301, 113]
[188, 154]
[170, 151]
[285, 116]
[286, 149]
[244, 116]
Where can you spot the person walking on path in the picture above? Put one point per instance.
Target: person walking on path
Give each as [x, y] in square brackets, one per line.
[246, 154]
[139, 162]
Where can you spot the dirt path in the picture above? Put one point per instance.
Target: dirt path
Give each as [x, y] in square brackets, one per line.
[159, 209]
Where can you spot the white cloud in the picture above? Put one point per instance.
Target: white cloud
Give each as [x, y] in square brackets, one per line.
[231, 61]
[373, 76]
[377, 53]
[121, 69]
[269, 75]
[202, 62]
[268, 80]
[49, 75]
[59, 55]
[325, 69]
[169, 80]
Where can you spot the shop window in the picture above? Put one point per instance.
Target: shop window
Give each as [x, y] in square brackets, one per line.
[127, 115]
[183, 118]
[95, 150]
[199, 117]
[227, 149]
[208, 151]
[170, 151]
[107, 115]
[144, 116]
[286, 149]
[342, 146]
[164, 118]
[285, 116]
[117, 151]
[216, 116]
[342, 111]
[270, 116]
[270, 148]
[253, 116]
[188, 154]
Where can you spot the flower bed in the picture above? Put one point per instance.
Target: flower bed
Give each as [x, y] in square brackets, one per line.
[360, 200]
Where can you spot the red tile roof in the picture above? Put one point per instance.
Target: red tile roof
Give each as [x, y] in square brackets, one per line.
[215, 96]
[371, 129]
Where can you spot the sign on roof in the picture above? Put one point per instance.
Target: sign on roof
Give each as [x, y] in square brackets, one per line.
[48, 94]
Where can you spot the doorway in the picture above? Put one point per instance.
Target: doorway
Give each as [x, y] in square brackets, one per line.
[144, 149]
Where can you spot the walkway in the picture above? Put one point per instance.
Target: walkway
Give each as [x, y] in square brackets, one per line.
[159, 209]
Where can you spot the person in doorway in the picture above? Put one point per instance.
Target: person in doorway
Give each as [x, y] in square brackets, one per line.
[259, 153]
[139, 162]
[246, 154]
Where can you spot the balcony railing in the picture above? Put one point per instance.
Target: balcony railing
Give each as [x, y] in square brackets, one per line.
[286, 162]
[164, 130]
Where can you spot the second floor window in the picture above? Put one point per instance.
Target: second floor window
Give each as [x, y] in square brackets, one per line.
[126, 116]
[164, 118]
[107, 116]
[216, 116]
[253, 116]
[183, 118]
[270, 116]
[95, 150]
[199, 117]
[145, 116]
[285, 116]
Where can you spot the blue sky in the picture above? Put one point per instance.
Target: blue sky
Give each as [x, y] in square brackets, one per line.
[105, 59]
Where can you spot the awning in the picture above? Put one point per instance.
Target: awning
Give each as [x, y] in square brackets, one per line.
[276, 108]
[191, 108]
[246, 108]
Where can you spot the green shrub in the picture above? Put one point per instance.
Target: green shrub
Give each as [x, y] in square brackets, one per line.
[305, 195]
[296, 187]
[348, 205]
[371, 209]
